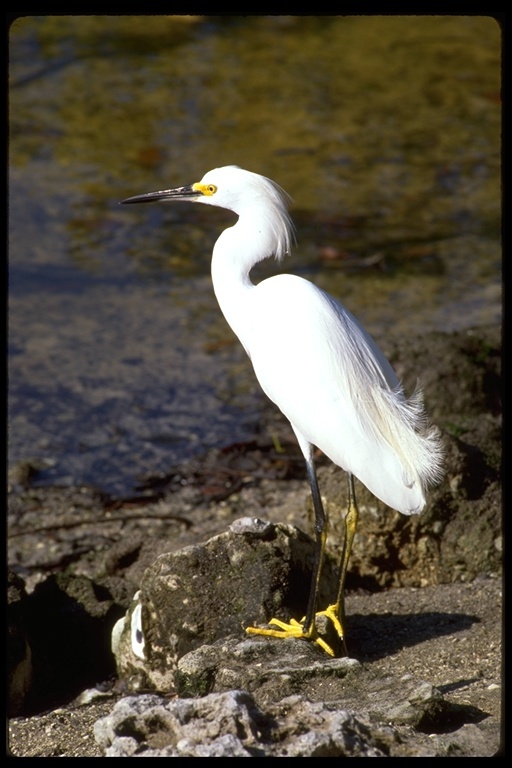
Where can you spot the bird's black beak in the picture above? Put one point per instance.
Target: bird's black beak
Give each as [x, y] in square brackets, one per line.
[180, 193]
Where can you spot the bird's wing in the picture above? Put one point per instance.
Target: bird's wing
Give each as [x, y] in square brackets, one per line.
[327, 375]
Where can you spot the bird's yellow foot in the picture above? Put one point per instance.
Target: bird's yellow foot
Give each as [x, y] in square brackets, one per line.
[331, 612]
[293, 629]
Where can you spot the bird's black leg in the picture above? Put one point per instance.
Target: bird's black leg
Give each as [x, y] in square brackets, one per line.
[335, 612]
[351, 520]
[306, 628]
[320, 539]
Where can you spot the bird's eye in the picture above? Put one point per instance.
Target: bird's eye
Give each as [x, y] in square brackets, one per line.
[211, 189]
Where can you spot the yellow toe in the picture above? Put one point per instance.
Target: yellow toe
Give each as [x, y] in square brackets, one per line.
[291, 629]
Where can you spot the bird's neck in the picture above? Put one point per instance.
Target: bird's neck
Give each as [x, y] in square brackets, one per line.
[235, 253]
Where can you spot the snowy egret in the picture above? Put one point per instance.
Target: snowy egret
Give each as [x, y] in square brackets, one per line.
[319, 366]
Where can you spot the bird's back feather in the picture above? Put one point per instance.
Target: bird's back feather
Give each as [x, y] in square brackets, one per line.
[328, 376]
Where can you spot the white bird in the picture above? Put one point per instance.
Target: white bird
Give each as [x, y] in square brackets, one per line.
[319, 366]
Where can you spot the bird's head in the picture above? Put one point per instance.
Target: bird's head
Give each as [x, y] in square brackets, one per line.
[228, 187]
[240, 191]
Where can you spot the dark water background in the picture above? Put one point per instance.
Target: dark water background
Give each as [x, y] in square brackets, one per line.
[384, 129]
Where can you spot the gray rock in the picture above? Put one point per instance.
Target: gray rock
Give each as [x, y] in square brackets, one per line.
[231, 725]
[207, 592]
[258, 665]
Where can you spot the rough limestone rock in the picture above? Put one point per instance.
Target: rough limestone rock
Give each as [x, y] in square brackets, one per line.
[211, 591]
[231, 725]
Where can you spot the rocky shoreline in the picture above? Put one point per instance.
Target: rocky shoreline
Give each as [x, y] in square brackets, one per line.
[423, 601]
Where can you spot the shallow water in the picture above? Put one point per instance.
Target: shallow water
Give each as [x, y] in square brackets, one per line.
[385, 131]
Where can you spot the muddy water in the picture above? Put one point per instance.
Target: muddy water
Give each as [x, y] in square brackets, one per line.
[385, 131]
